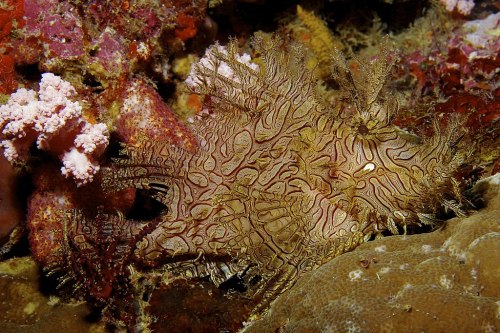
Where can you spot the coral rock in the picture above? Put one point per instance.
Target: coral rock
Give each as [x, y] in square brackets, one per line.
[47, 209]
[470, 63]
[109, 59]
[206, 309]
[144, 114]
[443, 281]
[315, 35]
[24, 308]
[102, 40]
[11, 214]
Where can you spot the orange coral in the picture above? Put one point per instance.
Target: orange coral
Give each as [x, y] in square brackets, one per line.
[8, 81]
[194, 102]
[186, 27]
[11, 13]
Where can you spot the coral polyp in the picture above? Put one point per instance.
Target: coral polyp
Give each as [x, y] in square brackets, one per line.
[282, 181]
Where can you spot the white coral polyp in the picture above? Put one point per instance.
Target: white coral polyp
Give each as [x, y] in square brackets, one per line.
[464, 7]
[79, 166]
[53, 86]
[92, 138]
[9, 150]
[449, 4]
[19, 112]
[46, 113]
[482, 32]
[40, 117]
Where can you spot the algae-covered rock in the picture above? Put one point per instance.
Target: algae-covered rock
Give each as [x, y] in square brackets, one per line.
[24, 308]
[444, 281]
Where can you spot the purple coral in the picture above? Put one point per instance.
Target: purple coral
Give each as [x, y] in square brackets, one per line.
[55, 122]
[58, 25]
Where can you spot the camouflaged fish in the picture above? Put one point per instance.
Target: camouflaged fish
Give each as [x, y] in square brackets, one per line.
[282, 181]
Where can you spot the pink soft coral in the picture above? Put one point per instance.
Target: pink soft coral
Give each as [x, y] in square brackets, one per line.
[78, 162]
[56, 123]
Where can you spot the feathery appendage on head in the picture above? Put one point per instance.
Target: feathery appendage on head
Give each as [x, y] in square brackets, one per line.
[213, 63]
[222, 73]
[234, 80]
[415, 175]
[365, 82]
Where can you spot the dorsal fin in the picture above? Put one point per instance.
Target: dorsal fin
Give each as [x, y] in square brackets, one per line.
[151, 167]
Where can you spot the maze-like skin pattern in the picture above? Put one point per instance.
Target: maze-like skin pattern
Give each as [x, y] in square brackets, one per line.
[281, 182]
